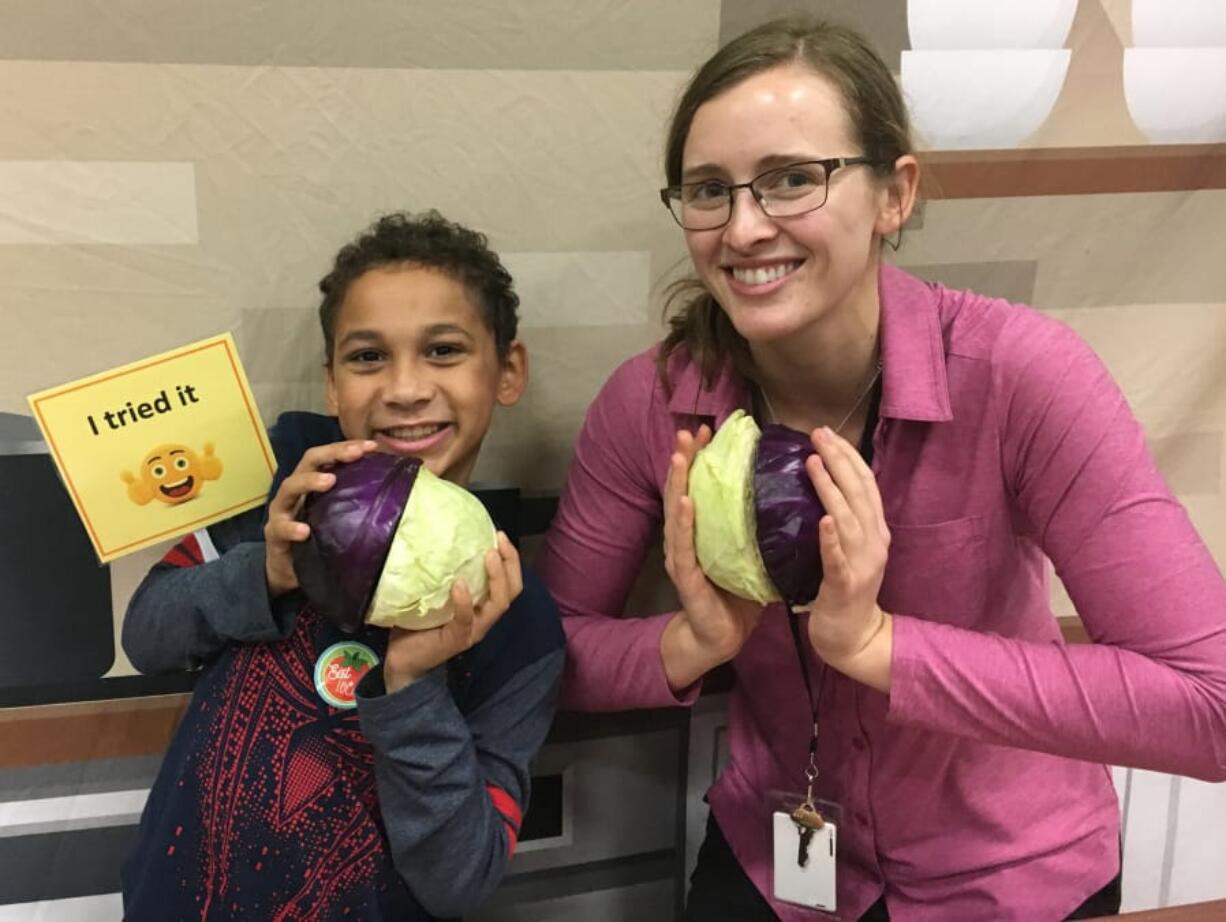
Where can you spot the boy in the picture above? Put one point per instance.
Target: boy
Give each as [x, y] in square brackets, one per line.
[285, 796]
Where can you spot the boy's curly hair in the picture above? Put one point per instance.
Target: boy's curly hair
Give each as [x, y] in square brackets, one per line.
[430, 241]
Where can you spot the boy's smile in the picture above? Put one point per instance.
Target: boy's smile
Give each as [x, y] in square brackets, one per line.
[415, 368]
[412, 440]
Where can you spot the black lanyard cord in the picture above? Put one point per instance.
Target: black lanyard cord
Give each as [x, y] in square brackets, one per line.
[814, 702]
[866, 450]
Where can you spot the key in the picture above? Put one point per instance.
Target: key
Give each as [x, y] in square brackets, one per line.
[806, 836]
[806, 815]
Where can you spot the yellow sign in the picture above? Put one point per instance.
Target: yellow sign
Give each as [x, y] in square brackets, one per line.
[160, 447]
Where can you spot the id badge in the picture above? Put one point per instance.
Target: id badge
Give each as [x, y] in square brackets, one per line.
[805, 856]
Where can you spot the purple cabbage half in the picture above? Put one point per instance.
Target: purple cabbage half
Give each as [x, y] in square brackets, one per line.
[787, 510]
[352, 527]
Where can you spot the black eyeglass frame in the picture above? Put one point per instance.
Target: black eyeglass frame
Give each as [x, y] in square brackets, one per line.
[829, 164]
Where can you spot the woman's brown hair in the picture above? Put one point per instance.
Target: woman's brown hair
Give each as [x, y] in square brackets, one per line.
[878, 117]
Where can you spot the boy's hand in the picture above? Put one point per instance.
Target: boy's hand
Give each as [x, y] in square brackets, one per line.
[282, 530]
[413, 654]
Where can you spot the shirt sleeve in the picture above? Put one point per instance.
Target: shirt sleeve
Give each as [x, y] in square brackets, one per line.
[188, 607]
[453, 788]
[608, 516]
[1150, 691]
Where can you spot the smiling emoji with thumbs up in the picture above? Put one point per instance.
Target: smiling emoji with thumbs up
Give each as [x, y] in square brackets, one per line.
[172, 474]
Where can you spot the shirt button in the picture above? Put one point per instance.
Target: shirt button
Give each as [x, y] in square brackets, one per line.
[858, 743]
[861, 818]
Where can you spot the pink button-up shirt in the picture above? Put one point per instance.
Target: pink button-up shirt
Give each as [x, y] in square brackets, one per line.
[978, 788]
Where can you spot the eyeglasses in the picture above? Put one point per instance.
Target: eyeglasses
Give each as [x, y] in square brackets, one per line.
[783, 192]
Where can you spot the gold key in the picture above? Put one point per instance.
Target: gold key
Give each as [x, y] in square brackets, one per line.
[806, 815]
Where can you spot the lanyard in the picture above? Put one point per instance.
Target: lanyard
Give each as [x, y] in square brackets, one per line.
[866, 449]
[814, 703]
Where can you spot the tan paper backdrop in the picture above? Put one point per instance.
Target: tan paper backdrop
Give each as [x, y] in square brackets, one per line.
[171, 170]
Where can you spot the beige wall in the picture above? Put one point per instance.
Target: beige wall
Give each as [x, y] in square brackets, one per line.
[170, 170]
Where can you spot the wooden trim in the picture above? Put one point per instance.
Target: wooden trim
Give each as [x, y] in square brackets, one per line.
[132, 727]
[118, 729]
[1073, 630]
[1073, 171]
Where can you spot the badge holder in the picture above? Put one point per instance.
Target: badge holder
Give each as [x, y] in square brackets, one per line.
[805, 840]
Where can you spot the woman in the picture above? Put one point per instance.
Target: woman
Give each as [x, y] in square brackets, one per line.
[960, 441]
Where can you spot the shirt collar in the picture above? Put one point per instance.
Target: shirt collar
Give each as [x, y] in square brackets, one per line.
[914, 381]
[915, 384]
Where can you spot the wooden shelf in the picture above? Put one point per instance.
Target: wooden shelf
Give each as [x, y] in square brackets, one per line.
[1072, 171]
[55, 733]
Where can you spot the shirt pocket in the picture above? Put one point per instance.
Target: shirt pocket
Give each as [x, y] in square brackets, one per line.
[938, 571]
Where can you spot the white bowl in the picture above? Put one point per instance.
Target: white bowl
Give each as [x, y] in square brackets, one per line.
[1177, 95]
[962, 100]
[937, 25]
[1178, 23]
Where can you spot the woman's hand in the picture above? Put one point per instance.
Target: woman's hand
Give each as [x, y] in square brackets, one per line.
[846, 627]
[412, 654]
[312, 475]
[712, 625]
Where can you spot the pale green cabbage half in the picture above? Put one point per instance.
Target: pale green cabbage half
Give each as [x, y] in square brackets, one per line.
[442, 537]
[725, 532]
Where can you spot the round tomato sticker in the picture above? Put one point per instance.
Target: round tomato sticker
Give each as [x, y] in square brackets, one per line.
[339, 669]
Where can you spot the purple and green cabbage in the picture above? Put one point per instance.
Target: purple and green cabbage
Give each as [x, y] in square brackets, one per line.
[387, 543]
[756, 512]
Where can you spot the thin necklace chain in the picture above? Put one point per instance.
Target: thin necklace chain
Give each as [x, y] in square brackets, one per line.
[838, 430]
